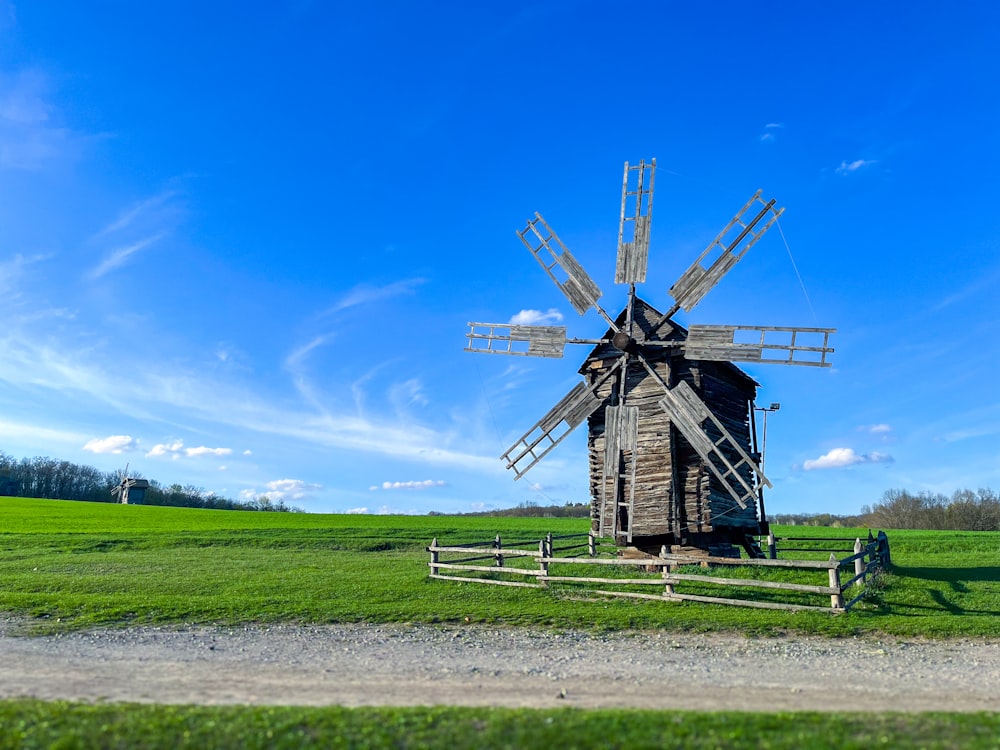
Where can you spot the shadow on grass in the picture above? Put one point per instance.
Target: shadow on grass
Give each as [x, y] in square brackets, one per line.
[953, 576]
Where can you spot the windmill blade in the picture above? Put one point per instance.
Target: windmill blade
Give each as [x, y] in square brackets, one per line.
[697, 281]
[551, 429]
[528, 341]
[621, 433]
[551, 253]
[633, 229]
[807, 347]
[687, 412]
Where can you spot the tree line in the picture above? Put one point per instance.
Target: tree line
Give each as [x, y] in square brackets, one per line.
[57, 479]
[964, 510]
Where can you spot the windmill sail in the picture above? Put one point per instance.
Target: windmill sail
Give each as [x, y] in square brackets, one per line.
[550, 430]
[621, 435]
[633, 229]
[687, 412]
[504, 338]
[579, 288]
[697, 281]
[772, 345]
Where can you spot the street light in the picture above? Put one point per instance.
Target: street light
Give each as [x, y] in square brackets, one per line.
[765, 410]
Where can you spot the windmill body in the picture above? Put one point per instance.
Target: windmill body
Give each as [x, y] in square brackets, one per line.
[670, 418]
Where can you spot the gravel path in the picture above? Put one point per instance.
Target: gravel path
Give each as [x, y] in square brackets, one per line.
[358, 665]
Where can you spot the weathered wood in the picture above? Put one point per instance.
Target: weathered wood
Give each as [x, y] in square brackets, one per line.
[550, 252]
[717, 600]
[715, 342]
[528, 341]
[836, 598]
[697, 281]
[487, 569]
[631, 264]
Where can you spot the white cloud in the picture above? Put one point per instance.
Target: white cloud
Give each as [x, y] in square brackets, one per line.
[848, 167]
[357, 511]
[176, 449]
[536, 317]
[841, 457]
[111, 444]
[166, 449]
[248, 452]
[411, 485]
[202, 450]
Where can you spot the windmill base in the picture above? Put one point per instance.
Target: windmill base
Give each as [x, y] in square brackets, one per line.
[719, 543]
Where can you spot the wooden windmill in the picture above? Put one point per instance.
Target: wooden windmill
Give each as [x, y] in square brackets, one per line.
[127, 484]
[672, 451]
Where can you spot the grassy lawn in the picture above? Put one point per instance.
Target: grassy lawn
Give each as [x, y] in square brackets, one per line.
[35, 724]
[76, 565]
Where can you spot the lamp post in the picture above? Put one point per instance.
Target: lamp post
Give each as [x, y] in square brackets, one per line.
[765, 527]
[763, 443]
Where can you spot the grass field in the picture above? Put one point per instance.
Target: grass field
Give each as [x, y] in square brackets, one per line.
[73, 565]
[34, 724]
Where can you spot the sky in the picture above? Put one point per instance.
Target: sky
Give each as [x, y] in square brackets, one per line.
[240, 243]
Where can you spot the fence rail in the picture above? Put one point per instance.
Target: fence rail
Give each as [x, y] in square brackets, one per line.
[532, 568]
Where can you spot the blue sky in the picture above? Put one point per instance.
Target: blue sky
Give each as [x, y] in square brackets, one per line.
[240, 242]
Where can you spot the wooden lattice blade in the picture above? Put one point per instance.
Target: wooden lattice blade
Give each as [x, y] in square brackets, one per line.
[553, 256]
[551, 429]
[697, 281]
[687, 412]
[807, 347]
[621, 435]
[636, 217]
[505, 338]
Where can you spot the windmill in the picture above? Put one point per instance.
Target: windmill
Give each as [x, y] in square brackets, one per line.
[670, 419]
[125, 483]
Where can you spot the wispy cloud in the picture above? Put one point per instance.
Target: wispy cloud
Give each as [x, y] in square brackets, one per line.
[876, 429]
[29, 139]
[119, 256]
[364, 294]
[841, 457]
[425, 484]
[536, 317]
[769, 130]
[112, 444]
[847, 167]
[142, 209]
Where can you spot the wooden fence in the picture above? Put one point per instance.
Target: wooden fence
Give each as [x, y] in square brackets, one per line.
[558, 560]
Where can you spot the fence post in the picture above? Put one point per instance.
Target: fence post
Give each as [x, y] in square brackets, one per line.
[498, 556]
[883, 550]
[668, 588]
[591, 544]
[859, 562]
[434, 556]
[772, 546]
[548, 543]
[543, 566]
[837, 597]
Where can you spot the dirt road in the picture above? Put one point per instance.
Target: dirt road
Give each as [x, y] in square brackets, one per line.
[357, 665]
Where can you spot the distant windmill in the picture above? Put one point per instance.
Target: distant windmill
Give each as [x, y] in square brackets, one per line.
[672, 456]
[125, 483]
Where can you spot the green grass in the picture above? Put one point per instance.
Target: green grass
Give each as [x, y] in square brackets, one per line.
[73, 565]
[35, 724]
